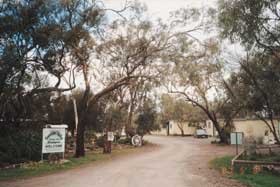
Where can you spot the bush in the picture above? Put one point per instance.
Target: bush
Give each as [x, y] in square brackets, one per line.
[100, 141]
[125, 141]
[89, 136]
[17, 146]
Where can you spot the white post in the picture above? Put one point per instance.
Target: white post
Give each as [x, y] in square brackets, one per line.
[76, 114]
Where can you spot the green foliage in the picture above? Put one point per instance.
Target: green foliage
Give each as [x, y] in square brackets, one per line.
[17, 146]
[90, 135]
[257, 85]
[126, 140]
[36, 43]
[100, 141]
[265, 158]
[180, 110]
[115, 118]
[147, 119]
[251, 21]
[223, 162]
[257, 180]
[44, 168]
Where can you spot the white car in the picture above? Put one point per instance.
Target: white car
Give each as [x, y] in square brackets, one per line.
[200, 133]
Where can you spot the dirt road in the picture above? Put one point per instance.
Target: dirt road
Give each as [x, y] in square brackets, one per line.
[177, 162]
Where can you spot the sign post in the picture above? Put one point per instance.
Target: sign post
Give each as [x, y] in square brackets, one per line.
[53, 139]
[236, 138]
[110, 136]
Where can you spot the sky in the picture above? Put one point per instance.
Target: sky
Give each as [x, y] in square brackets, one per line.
[161, 8]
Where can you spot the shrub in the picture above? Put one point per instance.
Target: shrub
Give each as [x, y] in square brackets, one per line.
[124, 141]
[100, 141]
[17, 146]
[89, 136]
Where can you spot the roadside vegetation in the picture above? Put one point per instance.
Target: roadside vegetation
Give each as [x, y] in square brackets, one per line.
[263, 179]
[266, 158]
[31, 169]
[72, 62]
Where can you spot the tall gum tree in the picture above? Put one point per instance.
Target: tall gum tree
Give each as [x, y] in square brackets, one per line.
[127, 52]
[254, 88]
[197, 77]
[37, 39]
[256, 25]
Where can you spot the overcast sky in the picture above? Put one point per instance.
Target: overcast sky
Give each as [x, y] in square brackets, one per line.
[161, 8]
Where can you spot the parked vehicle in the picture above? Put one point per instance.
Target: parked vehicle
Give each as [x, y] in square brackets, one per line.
[200, 133]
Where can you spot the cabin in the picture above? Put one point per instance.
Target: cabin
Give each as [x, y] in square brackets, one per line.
[251, 128]
[175, 128]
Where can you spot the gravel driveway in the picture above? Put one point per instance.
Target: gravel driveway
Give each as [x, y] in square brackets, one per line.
[177, 162]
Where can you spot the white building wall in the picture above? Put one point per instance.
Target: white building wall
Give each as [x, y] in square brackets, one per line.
[175, 130]
[250, 128]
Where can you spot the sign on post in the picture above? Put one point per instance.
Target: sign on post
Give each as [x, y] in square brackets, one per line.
[53, 140]
[110, 136]
[236, 138]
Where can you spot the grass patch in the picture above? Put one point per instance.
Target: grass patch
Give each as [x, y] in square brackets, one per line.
[258, 180]
[271, 158]
[220, 163]
[253, 180]
[46, 168]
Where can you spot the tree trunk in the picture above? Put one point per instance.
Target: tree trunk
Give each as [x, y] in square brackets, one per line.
[270, 126]
[80, 147]
[221, 132]
[181, 127]
[80, 140]
[129, 121]
[182, 133]
[86, 100]
[274, 130]
[276, 137]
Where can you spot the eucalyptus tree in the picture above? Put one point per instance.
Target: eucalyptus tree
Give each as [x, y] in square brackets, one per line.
[147, 118]
[180, 111]
[136, 95]
[197, 76]
[255, 88]
[251, 22]
[38, 42]
[126, 52]
[256, 25]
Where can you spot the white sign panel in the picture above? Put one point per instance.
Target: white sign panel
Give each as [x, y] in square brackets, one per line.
[53, 140]
[236, 138]
[110, 136]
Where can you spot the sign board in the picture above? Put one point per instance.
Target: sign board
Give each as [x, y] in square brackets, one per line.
[236, 138]
[136, 140]
[53, 140]
[110, 136]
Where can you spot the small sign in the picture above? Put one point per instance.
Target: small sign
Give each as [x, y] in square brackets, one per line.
[236, 138]
[53, 140]
[110, 136]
